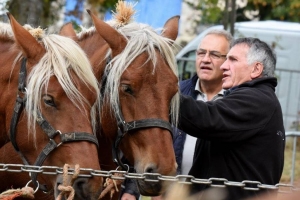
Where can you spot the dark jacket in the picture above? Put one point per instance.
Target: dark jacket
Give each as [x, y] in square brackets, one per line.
[244, 137]
[187, 87]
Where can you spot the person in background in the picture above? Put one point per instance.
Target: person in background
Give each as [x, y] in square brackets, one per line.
[241, 136]
[206, 85]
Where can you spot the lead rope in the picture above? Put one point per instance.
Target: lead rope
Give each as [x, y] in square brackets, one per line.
[66, 189]
[111, 186]
[25, 192]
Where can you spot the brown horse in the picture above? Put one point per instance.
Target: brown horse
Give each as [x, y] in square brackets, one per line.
[49, 98]
[136, 68]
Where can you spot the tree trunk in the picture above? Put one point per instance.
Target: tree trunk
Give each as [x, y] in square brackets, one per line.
[233, 17]
[35, 10]
[226, 16]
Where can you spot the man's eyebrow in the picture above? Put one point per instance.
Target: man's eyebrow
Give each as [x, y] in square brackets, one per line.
[212, 51]
[231, 57]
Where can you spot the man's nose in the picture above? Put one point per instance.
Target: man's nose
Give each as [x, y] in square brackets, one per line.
[206, 58]
[224, 65]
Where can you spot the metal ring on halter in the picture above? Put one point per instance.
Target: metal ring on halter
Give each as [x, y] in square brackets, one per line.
[125, 165]
[38, 185]
[60, 134]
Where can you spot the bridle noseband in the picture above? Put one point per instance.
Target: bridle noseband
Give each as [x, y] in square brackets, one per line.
[124, 127]
[46, 127]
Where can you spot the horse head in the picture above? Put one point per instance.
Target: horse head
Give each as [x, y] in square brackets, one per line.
[51, 97]
[140, 96]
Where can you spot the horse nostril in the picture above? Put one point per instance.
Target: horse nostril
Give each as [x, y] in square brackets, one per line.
[151, 169]
[80, 187]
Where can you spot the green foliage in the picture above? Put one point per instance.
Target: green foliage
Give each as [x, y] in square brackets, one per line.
[210, 13]
[285, 10]
[103, 5]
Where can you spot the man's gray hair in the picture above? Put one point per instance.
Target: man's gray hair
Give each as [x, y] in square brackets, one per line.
[259, 51]
[219, 32]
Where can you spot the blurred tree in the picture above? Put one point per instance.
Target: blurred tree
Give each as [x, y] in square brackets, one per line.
[226, 12]
[35, 12]
[102, 6]
[284, 10]
[48, 12]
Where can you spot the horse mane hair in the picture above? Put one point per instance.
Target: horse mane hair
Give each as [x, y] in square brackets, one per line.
[141, 38]
[6, 31]
[124, 14]
[62, 55]
[86, 32]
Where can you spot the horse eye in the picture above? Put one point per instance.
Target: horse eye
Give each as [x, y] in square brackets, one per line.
[127, 89]
[48, 100]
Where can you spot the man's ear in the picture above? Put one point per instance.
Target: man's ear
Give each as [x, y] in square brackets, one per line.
[257, 70]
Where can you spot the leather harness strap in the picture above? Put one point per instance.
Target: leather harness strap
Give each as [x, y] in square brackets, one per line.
[46, 127]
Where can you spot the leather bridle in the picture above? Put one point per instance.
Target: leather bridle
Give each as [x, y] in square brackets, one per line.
[46, 127]
[125, 127]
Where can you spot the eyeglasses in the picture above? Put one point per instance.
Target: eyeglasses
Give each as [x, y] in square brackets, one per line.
[212, 54]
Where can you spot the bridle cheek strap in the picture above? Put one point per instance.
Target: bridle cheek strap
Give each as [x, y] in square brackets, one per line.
[46, 127]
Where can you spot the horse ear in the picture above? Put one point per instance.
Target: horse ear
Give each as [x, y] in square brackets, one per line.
[32, 49]
[170, 29]
[115, 40]
[67, 30]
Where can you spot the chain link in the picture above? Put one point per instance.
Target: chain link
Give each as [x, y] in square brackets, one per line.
[149, 177]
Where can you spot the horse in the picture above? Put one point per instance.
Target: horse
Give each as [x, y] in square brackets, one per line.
[49, 99]
[136, 69]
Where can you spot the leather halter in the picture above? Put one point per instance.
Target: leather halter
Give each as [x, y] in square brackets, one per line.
[46, 127]
[124, 127]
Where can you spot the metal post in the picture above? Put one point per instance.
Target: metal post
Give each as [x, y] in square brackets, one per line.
[293, 159]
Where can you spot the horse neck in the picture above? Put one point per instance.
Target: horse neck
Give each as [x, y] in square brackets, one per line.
[8, 85]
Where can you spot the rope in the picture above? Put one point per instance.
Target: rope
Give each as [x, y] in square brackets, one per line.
[111, 185]
[66, 189]
[25, 192]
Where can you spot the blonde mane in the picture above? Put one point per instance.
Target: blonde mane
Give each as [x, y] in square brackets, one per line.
[62, 56]
[141, 38]
[6, 31]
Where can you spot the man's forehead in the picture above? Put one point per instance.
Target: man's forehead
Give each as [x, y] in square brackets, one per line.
[217, 44]
[242, 48]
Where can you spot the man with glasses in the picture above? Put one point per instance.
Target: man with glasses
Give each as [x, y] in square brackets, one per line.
[206, 85]
[241, 136]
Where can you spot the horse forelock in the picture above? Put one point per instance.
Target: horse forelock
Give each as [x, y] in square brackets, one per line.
[141, 38]
[62, 55]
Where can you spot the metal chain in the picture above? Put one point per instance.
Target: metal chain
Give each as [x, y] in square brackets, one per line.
[149, 177]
